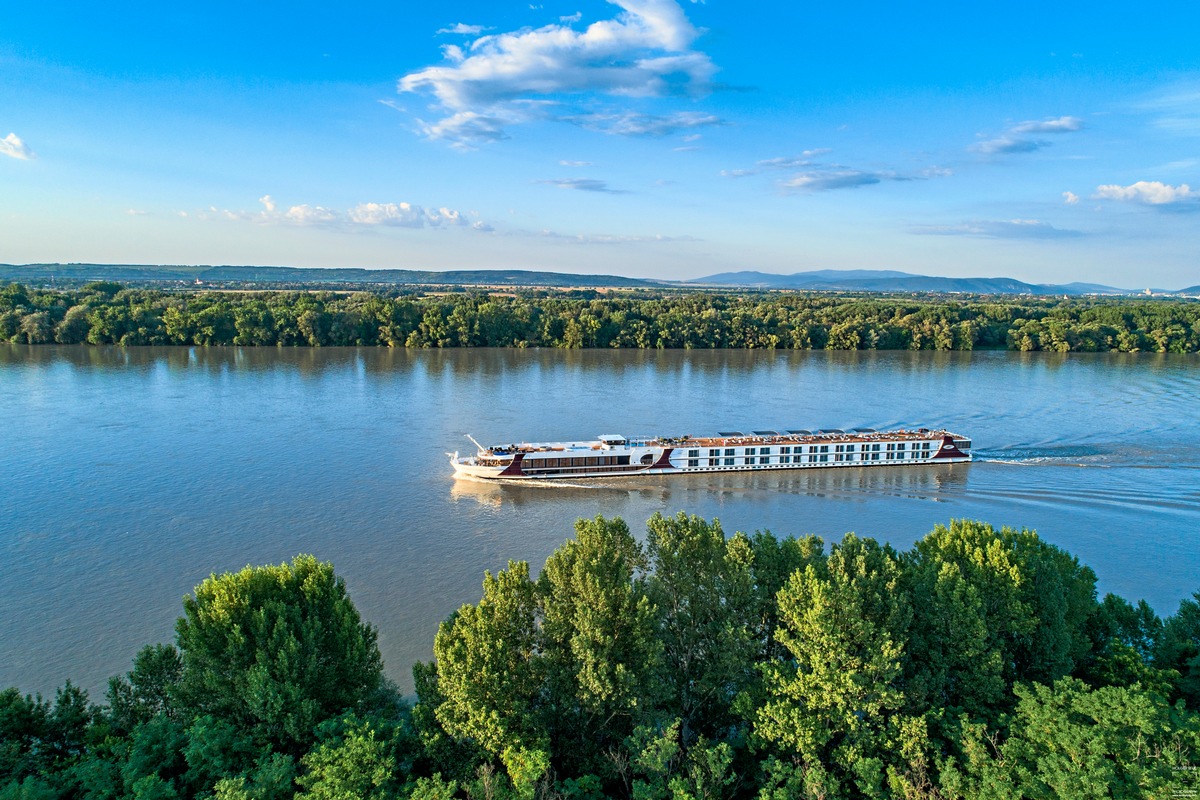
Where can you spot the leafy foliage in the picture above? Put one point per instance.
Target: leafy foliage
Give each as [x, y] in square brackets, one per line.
[107, 313]
[689, 665]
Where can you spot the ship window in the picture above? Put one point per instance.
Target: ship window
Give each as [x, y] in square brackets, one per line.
[751, 451]
[785, 450]
[693, 462]
[713, 462]
[715, 452]
[728, 451]
[824, 449]
[728, 461]
[648, 459]
[622, 460]
[900, 446]
[824, 458]
[693, 453]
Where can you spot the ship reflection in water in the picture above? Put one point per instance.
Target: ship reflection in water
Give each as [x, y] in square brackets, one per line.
[934, 483]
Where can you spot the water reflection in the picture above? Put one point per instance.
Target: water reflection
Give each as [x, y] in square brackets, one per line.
[934, 483]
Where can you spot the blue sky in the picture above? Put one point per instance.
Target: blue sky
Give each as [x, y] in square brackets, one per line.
[1048, 142]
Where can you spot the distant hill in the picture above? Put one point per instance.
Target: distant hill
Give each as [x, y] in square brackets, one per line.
[868, 280]
[294, 275]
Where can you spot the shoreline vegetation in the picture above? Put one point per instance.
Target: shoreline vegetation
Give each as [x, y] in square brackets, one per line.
[107, 313]
[681, 665]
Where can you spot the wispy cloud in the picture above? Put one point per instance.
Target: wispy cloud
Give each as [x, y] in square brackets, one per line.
[1151, 193]
[999, 229]
[1016, 138]
[828, 180]
[631, 123]
[13, 147]
[646, 50]
[836, 177]
[608, 238]
[820, 175]
[566, 163]
[1070, 198]
[1176, 110]
[792, 162]
[362, 216]
[583, 185]
[1055, 125]
[463, 29]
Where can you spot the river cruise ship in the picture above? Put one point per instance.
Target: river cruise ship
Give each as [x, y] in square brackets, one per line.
[728, 451]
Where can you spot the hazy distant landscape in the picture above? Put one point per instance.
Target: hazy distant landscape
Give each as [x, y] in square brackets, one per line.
[866, 281]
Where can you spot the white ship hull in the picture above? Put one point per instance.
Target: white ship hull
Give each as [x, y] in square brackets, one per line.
[615, 456]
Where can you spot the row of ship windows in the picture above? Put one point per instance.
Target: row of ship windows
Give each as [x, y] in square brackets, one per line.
[819, 458]
[587, 461]
[815, 448]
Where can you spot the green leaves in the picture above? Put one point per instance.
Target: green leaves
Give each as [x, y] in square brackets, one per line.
[489, 668]
[276, 649]
[692, 667]
[833, 702]
[1073, 742]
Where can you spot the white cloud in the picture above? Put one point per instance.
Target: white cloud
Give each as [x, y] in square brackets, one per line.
[564, 163]
[578, 15]
[1056, 125]
[644, 51]
[361, 216]
[609, 238]
[583, 185]
[464, 29]
[828, 180]
[1152, 193]
[631, 123]
[13, 147]
[1000, 229]
[1070, 198]
[1013, 139]
[792, 162]
[1006, 145]
[310, 215]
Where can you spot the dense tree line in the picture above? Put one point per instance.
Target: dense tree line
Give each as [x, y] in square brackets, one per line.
[107, 313]
[977, 664]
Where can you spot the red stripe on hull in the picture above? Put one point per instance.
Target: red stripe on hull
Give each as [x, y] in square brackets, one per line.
[664, 461]
[514, 469]
[948, 450]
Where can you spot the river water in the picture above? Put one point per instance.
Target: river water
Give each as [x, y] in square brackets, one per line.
[129, 475]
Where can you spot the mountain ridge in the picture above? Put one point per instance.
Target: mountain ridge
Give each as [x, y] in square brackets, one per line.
[865, 280]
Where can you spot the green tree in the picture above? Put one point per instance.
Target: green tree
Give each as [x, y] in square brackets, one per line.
[702, 587]
[489, 670]
[598, 639]
[1179, 649]
[1072, 742]
[833, 708]
[356, 765]
[276, 650]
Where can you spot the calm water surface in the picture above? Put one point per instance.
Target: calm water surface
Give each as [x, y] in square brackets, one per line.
[127, 476]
